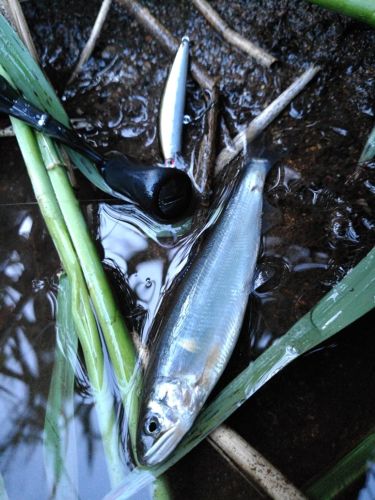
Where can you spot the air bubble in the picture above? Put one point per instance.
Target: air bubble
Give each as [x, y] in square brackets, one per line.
[291, 351]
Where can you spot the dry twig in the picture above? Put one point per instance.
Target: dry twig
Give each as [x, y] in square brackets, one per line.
[252, 465]
[261, 122]
[94, 35]
[232, 36]
[16, 14]
[207, 149]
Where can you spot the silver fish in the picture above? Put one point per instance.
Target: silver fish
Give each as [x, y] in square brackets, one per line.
[173, 103]
[196, 340]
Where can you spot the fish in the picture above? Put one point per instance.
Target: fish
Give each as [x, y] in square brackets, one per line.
[195, 341]
[173, 104]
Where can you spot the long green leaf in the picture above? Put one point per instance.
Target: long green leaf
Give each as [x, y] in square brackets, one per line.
[118, 339]
[348, 470]
[347, 301]
[59, 440]
[363, 10]
[30, 80]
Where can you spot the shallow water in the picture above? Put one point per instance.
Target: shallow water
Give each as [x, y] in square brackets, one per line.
[323, 208]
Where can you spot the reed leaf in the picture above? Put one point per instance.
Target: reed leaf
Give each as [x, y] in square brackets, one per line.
[347, 470]
[23, 69]
[363, 10]
[59, 440]
[83, 316]
[118, 340]
[351, 298]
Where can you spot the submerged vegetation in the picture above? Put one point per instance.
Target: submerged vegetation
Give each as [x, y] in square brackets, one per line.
[87, 314]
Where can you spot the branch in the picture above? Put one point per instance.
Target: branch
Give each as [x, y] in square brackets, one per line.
[252, 465]
[207, 149]
[261, 122]
[232, 36]
[94, 35]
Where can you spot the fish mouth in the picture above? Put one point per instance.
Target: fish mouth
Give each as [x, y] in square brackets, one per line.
[164, 445]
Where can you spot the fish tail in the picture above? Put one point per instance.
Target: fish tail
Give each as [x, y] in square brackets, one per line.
[263, 165]
[260, 166]
[256, 171]
[262, 153]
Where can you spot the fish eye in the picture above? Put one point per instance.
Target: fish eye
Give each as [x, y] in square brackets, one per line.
[152, 426]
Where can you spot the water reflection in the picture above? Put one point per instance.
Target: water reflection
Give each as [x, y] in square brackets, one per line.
[27, 355]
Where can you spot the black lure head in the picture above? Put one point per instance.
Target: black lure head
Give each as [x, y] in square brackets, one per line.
[167, 193]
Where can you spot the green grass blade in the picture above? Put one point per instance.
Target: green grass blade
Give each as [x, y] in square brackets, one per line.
[347, 470]
[368, 152]
[346, 302]
[82, 313]
[363, 10]
[118, 340]
[59, 440]
[22, 68]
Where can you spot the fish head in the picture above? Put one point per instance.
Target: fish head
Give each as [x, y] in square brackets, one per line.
[166, 415]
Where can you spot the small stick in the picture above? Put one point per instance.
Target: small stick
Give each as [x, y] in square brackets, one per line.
[207, 149]
[166, 39]
[7, 132]
[232, 36]
[15, 11]
[252, 465]
[94, 35]
[261, 122]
